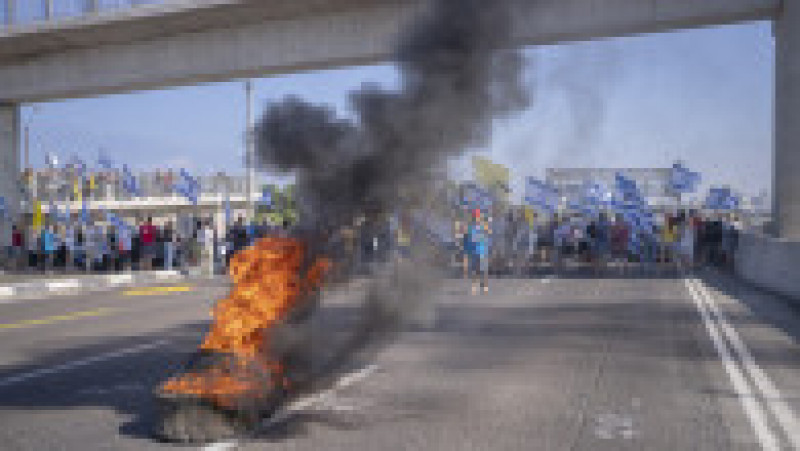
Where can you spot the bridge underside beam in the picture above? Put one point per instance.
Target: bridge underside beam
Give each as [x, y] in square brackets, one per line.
[340, 37]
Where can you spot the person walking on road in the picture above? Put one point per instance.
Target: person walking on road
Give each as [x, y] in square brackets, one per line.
[478, 250]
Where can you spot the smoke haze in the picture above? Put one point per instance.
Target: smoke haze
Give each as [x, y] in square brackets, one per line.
[457, 71]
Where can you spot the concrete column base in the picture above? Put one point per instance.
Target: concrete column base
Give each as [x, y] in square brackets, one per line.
[9, 169]
[770, 263]
[786, 183]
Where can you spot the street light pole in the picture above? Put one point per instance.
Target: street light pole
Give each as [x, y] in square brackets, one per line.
[250, 150]
[10, 12]
[48, 9]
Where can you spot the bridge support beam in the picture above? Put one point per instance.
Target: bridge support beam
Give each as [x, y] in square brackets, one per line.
[786, 182]
[9, 170]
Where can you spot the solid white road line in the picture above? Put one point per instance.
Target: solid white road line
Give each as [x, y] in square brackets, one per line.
[303, 403]
[13, 380]
[751, 408]
[771, 395]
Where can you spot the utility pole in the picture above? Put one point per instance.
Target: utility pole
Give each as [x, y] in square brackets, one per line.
[10, 12]
[250, 150]
[27, 162]
[48, 9]
[90, 6]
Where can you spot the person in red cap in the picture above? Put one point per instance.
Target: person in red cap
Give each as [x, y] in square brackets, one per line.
[477, 250]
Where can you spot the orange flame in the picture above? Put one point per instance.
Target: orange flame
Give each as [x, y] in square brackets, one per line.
[267, 284]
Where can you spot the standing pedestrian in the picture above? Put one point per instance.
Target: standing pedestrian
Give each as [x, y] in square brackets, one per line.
[169, 239]
[17, 247]
[147, 238]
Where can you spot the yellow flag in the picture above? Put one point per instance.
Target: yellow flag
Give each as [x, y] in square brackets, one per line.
[491, 175]
[530, 216]
[37, 214]
[91, 182]
[76, 190]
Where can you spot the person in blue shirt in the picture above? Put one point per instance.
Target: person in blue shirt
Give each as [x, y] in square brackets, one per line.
[48, 243]
[477, 248]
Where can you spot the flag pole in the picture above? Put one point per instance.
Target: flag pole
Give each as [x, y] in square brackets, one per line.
[250, 150]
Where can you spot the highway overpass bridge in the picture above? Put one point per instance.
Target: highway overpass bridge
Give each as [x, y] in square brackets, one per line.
[180, 42]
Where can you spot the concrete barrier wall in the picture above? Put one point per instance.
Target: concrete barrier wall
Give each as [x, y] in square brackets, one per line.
[770, 263]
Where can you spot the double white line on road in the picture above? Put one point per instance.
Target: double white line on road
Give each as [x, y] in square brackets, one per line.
[749, 380]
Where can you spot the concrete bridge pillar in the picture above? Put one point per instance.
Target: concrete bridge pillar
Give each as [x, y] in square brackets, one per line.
[9, 169]
[786, 184]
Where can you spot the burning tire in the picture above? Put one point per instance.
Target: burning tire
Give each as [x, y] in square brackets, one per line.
[251, 356]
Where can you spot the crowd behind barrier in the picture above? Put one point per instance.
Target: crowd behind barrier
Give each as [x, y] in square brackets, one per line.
[473, 243]
[146, 246]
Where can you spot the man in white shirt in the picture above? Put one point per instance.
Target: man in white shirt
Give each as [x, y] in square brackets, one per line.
[206, 237]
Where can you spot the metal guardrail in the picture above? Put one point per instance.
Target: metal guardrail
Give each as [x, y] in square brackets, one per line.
[23, 12]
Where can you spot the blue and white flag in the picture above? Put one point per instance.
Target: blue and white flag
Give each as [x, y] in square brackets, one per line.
[85, 212]
[129, 183]
[116, 221]
[682, 180]
[227, 209]
[104, 161]
[266, 197]
[188, 186]
[540, 194]
[474, 196]
[3, 208]
[721, 199]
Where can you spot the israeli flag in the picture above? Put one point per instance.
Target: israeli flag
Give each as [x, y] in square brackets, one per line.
[3, 208]
[540, 194]
[129, 183]
[104, 161]
[85, 212]
[227, 209]
[188, 186]
[266, 197]
[721, 199]
[682, 180]
[477, 197]
[116, 221]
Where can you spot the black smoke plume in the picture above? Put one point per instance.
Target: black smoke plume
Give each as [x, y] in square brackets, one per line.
[458, 71]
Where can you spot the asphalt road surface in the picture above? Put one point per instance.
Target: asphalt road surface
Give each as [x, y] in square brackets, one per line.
[670, 363]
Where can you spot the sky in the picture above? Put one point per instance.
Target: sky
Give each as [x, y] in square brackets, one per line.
[704, 96]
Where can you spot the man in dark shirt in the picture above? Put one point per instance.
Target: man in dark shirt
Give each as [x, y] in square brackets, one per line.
[238, 235]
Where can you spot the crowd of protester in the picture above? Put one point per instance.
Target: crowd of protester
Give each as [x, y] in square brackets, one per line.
[143, 246]
[477, 243]
[520, 241]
